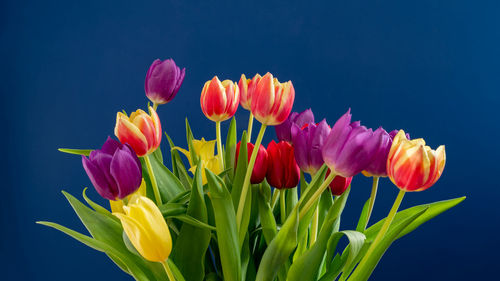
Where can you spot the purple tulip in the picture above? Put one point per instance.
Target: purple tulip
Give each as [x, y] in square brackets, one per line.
[114, 170]
[378, 165]
[349, 148]
[283, 130]
[308, 142]
[163, 81]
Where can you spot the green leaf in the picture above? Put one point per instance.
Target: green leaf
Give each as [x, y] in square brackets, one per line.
[85, 152]
[240, 171]
[279, 250]
[231, 141]
[178, 167]
[168, 184]
[356, 241]
[363, 273]
[225, 222]
[98, 208]
[192, 242]
[363, 217]
[266, 216]
[172, 209]
[307, 266]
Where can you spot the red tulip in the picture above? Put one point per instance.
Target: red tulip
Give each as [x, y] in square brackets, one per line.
[339, 184]
[260, 167]
[272, 101]
[282, 170]
[219, 100]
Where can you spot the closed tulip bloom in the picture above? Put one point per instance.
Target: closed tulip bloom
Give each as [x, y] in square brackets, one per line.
[146, 229]
[282, 169]
[272, 101]
[339, 184]
[247, 88]
[219, 100]
[349, 147]
[260, 167]
[163, 80]
[141, 131]
[308, 142]
[412, 165]
[114, 170]
[284, 130]
[205, 150]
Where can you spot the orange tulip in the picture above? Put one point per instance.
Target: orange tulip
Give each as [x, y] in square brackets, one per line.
[141, 131]
[247, 88]
[272, 101]
[413, 166]
[219, 100]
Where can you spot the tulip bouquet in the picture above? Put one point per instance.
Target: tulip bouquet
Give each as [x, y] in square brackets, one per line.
[247, 212]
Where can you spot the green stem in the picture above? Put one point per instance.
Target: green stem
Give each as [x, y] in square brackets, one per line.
[155, 106]
[372, 199]
[380, 234]
[316, 195]
[250, 125]
[168, 270]
[151, 173]
[219, 143]
[314, 227]
[246, 181]
[282, 205]
[275, 198]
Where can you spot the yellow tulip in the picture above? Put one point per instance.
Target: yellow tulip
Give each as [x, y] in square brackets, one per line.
[117, 205]
[146, 229]
[206, 151]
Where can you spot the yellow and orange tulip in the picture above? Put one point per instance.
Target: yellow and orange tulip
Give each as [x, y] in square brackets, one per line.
[141, 131]
[412, 165]
[247, 88]
[272, 101]
[146, 229]
[219, 100]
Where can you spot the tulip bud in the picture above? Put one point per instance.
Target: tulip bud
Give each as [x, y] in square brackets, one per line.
[349, 147]
[272, 101]
[163, 80]
[413, 166]
[339, 184]
[378, 165]
[307, 143]
[146, 229]
[284, 130]
[141, 131]
[282, 170]
[260, 167]
[247, 88]
[114, 170]
[219, 100]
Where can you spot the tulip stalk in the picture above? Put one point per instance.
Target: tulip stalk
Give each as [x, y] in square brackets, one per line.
[380, 235]
[155, 106]
[250, 126]
[168, 270]
[282, 205]
[151, 173]
[219, 144]
[372, 199]
[246, 181]
[316, 195]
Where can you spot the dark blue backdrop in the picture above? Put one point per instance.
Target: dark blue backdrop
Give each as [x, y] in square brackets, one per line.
[430, 67]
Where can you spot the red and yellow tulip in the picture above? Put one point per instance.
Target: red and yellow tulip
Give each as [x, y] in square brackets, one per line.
[412, 165]
[219, 100]
[272, 101]
[247, 88]
[141, 131]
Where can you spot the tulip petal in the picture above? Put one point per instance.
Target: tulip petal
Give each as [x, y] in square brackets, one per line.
[98, 179]
[129, 133]
[126, 172]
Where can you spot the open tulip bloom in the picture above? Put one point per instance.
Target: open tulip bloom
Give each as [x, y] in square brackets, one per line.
[245, 211]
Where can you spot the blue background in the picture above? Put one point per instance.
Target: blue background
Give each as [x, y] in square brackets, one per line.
[430, 67]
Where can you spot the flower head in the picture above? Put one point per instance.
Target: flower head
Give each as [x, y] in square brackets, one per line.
[412, 165]
[339, 184]
[272, 101]
[349, 147]
[163, 80]
[247, 88]
[114, 170]
[284, 130]
[141, 131]
[308, 142]
[146, 229]
[219, 100]
[260, 167]
[205, 150]
[282, 169]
